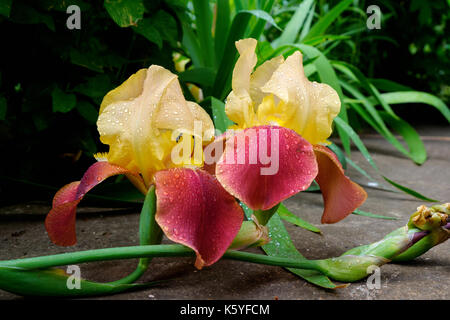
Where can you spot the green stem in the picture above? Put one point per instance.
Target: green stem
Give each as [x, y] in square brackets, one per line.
[149, 233]
[150, 251]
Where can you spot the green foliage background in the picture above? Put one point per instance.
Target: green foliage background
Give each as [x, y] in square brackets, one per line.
[52, 79]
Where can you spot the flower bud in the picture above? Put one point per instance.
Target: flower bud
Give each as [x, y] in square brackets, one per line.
[426, 228]
[251, 234]
[430, 218]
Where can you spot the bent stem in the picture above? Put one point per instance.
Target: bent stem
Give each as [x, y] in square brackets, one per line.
[149, 233]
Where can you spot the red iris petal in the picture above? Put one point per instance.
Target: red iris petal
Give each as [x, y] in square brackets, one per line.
[60, 221]
[295, 172]
[193, 209]
[341, 196]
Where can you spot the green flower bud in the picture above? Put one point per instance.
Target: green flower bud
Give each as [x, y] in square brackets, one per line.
[426, 228]
[434, 221]
[251, 234]
[430, 218]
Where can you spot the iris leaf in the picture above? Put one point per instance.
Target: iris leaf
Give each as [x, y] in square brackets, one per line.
[288, 216]
[281, 245]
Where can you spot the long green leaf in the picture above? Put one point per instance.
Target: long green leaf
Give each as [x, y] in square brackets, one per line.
[324, 22]
[357, 141]
[220, 118]
[288, 216]
[281, 245]
[362, 148]
[190, 41]
[372, 215]
[261, 14]
[388, 85]
[307, 24]
[290, 33]
[222, 27]
[203, 21]
[410, 191]
[261, 23]
[375, 119]
[417, 97]
[368, 86]
[202, 76]
[340, 154]
[417, 149]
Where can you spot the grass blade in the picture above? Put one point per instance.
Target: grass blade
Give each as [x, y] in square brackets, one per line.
[288, 216]
[190, 41]
[203, 21]
[417, 97]
[377, 123]
[324, 22]
[307, 24]
[222, 27]
[410, 191]
[290, 33]
[389, 85]
[417, 150]
[357, 141]
[260, 23]
[372, 215]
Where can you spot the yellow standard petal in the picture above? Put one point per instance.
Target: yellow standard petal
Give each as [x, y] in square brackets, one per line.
[239, 106]
[137, 121]
[279, 93]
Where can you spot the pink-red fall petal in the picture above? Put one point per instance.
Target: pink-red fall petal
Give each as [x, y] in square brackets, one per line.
[341, 196]
[60, 221]
[296, 167]
[193, 209]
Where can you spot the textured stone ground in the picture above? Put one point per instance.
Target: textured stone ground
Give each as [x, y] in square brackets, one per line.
[22, 234]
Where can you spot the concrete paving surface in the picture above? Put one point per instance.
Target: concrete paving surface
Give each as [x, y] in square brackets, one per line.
[22, 234]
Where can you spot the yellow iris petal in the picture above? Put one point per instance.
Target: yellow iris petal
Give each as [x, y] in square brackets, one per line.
[278, 92]
[137, 120]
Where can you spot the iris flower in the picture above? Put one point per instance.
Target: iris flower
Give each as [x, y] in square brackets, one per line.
[143, 121]
[277, 101]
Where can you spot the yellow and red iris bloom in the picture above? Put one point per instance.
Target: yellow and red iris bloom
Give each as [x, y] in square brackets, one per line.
[142, 121]
[278, 96]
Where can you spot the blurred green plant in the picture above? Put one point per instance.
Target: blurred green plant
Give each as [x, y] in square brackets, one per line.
[52, 78]
[211, 28]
